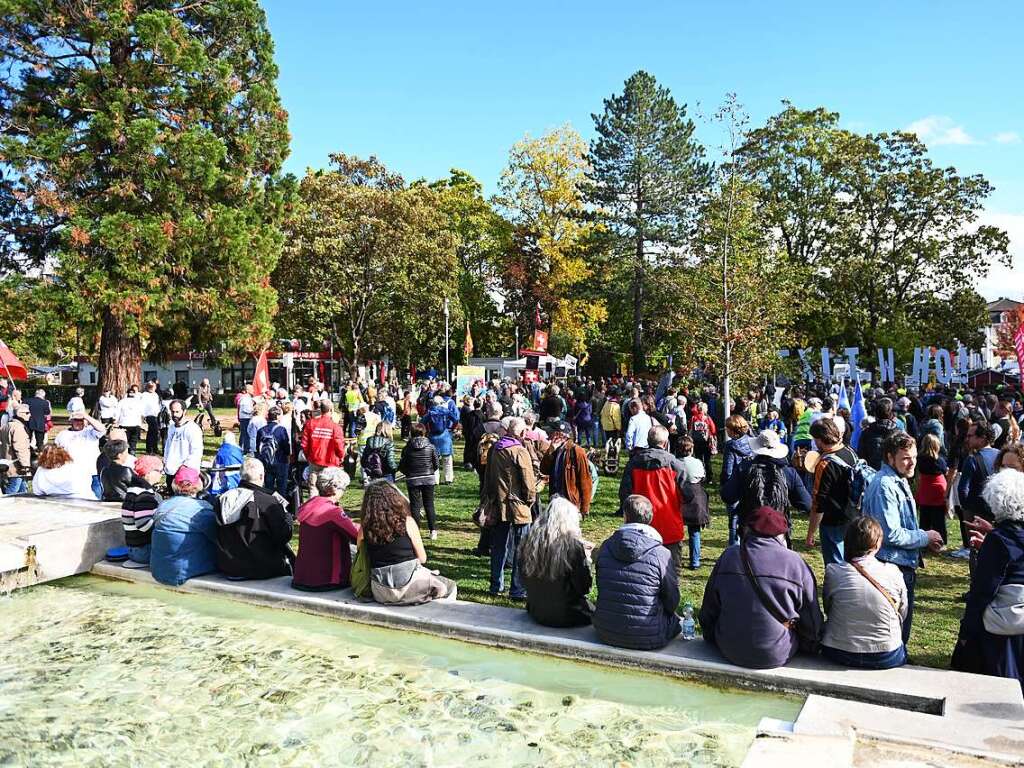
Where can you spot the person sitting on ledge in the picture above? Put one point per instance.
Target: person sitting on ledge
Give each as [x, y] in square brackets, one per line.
[141, 500]
[865, 601]
[57, 475]
[761, 602]
[184, 543]
[395, 549]
[119, 474]
[556, 567]
[324, 560]
[253, 528]
[637, 588]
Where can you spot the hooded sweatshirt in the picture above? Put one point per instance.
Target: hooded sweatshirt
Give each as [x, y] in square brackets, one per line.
[253, 531]
[637, 590]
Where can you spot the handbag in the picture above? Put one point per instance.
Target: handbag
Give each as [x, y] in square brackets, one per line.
[1004, 616]
[807, 643]
[360, 574]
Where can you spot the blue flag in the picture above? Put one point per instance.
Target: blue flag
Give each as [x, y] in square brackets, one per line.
[844, 399]
[857, 415]
[663, 385]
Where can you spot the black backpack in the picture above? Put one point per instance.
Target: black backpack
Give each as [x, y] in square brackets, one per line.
[766, 486]
[372, 463]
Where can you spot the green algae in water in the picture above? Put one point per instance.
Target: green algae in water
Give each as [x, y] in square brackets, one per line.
[97, 673]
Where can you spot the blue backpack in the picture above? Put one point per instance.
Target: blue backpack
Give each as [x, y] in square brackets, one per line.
[858, 476]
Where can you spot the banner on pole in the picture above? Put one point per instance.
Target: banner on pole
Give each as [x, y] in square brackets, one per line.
[466, 376]
[1018, 343]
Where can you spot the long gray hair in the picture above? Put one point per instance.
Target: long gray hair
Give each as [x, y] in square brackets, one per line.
[547, 549]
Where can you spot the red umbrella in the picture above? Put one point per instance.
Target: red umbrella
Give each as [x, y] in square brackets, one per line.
[10, 365]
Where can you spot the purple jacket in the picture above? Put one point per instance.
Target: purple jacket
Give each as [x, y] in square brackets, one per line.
[734, 618]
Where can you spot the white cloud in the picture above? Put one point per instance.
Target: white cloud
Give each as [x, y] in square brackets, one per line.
[1005, 281]
[1007, 137]
[937, 130]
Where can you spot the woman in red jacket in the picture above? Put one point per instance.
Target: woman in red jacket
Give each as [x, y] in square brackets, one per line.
[324, 560]
[931, 486]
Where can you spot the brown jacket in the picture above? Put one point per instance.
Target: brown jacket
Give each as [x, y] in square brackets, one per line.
[579, 486]
[14, 446]
[510, 484]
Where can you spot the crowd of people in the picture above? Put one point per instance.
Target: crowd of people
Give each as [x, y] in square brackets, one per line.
[877, 494]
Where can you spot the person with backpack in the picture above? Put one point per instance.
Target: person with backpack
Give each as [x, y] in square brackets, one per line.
[705, 436]
[735, 452]
[439, 421]
[273, 449]
[420, 464]
[378, 457]
[871, 440]
[766, 479]
[833, 502]
[890, 501]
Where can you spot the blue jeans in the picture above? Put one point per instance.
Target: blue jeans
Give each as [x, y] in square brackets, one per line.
[587, 434]
[15, 485]
[276, 478]
[243, 435]
[505, 539]
[832, 543]
[882, 660]
[139, 554]
[97, 486]
[694, 532]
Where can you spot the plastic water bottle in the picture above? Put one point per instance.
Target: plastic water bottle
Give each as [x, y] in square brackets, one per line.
[689, 625]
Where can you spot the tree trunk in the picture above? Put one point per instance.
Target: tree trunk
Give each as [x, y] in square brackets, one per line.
[638, 304]
[120, 355]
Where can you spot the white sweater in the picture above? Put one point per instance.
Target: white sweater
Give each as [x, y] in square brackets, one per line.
[184, 447]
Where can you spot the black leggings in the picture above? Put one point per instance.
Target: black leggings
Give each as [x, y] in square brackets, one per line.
[420, 497]
[933, 518]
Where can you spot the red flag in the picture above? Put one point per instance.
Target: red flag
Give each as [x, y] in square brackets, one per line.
[10, 365]
[261, 379]
[1018, 343]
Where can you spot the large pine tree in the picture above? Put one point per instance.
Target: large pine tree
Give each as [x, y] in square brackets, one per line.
[143, 141]
[647, 179]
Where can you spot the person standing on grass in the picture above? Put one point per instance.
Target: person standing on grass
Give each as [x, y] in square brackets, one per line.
[889, 500]
[568, 468]
[129, 416]
[39, 418]
[509, 489]
[246, 405]
[420, 463]
[323, 441]
[439, 421]
[830, 496]
[931, 485]
[273, 449]
[184, 444]
[734, 453]
[15, 448]
[77, 401]
[150, 401]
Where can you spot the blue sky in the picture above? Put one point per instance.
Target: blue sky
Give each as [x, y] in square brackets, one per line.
[431, 86]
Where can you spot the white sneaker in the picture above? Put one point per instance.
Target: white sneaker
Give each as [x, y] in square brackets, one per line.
[433, 535]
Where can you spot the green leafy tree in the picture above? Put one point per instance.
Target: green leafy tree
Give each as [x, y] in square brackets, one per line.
[145, 141]
[540, 191]
[647, 180]
[888, 244]
[368, 264]
[481, 237]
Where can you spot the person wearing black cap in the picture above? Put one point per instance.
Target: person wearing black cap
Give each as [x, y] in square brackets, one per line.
[568, 468]
[761, 601]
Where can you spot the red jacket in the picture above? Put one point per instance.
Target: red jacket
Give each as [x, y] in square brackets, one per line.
[658, 475]
[323, 442]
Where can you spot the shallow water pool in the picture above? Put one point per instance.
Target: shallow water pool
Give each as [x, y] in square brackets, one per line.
[100, 673]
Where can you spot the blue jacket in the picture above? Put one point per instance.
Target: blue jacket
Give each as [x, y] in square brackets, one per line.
[228, 455]
[733, 454]
[184, 540]
[439, 420]
[1000, 561]
[972, 480]
[637, 590]
[889, 500]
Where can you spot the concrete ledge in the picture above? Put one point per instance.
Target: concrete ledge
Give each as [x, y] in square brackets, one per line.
[970, 713]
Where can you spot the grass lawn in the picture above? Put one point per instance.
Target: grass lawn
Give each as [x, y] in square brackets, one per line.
[937, 609]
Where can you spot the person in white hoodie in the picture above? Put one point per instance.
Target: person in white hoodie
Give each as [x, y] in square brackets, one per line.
[184, 444]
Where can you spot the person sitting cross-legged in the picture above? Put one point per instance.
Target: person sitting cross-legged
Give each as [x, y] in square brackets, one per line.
[637, 588]
[761, 602]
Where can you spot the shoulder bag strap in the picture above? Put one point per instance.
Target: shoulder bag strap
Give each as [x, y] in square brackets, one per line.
[885, 593]
[759, 590]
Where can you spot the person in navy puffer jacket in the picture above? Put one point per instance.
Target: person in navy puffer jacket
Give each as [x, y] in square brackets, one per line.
[637, 589]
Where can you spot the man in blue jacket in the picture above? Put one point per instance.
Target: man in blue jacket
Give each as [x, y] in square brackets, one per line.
[637, 589]
[890, 501]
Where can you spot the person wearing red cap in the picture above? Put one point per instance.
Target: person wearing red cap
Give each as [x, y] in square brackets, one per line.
[184, 541]
[761, 602]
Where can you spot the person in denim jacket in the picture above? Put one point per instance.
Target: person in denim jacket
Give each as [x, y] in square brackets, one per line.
[889, 500]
